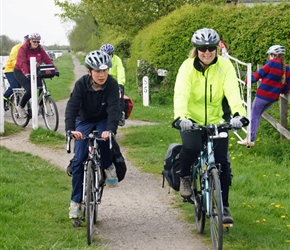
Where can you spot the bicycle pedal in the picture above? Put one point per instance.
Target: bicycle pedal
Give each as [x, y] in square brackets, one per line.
[187, 199]
[227, 225]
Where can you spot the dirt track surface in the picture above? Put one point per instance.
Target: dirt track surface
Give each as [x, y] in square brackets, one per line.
[138, 213]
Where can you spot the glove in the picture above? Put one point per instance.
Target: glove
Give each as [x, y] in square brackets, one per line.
[239, 121]
[57, 73]
[27, 76]
[185, 125]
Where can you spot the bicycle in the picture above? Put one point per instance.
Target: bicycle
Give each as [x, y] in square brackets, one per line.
[46, 105]
[207, 196]
[93, 183]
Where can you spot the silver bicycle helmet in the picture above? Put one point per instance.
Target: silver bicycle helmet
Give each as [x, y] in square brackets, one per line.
[98, 60]
[108, 48]
[34, 36]
[205, 37]
[276, 50]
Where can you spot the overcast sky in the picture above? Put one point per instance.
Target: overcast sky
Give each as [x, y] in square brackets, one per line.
[21, 17]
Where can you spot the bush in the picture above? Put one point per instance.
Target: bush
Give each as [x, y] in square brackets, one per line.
[248, 31]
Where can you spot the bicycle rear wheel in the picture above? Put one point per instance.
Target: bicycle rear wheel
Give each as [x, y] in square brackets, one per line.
[199, 213]
[50, 113]
[216, 224]
[90, 202]
[14, 102]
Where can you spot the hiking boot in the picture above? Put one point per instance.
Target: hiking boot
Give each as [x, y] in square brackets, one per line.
[111, 176]
[75, 210]
[246, 143]
[185, 188]
[22, 112]
[227, 218]
[122, 121]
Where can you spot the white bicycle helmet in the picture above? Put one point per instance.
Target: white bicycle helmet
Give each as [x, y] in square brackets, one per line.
[98, 60]
[35, 36]
[108, 48]
[276, 50]
[205, 37]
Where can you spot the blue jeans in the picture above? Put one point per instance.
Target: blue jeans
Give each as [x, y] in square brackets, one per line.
[258, 108]
[81, 154]
[12, 82]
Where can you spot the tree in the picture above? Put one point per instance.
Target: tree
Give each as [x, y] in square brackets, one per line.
[124, 17]
[6, 45]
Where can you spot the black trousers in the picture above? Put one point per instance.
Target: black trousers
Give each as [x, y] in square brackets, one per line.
[25, 83]
[192, 143]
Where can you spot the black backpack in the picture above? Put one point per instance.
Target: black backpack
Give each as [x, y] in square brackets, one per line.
[171, 171]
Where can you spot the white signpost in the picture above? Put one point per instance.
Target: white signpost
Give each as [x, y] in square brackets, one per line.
[145, 82]
[34, 106]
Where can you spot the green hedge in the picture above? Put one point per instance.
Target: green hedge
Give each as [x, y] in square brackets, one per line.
[248, 31]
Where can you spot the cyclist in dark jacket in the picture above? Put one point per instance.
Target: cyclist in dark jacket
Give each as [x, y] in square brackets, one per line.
[93, 105]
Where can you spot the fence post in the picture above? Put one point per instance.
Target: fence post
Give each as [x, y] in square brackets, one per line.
[33, 82]
[283, 114]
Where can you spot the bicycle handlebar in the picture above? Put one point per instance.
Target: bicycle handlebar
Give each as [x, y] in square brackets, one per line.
[212, 128]
[93, 135]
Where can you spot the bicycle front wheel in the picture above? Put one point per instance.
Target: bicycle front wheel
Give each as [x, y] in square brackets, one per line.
[216, 224]
[50, 113]
[99, 189]
[90, 201]
[199, 213]
[16, 117]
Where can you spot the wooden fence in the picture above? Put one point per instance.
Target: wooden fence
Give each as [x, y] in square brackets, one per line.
[282, 126]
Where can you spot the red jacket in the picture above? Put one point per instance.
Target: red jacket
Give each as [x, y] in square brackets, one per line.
[24, 54]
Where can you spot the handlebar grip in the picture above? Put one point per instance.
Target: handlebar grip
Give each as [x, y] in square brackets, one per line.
[176, 122]
[68, 139]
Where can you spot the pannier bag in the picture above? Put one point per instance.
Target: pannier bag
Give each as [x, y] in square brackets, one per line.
[129, 104]
[46, 71]
[171, 171]
[118, 160]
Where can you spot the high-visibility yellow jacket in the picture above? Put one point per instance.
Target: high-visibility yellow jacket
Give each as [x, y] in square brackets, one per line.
[9, 67]
[118, 70]
[199, 95]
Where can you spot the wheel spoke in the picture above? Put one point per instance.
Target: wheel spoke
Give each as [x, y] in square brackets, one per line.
[50, 113]
[216, 225]
[90, 202]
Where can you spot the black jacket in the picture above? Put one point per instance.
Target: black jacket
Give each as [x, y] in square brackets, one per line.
[90, 105]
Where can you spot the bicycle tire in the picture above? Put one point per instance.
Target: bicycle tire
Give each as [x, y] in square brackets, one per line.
[90, 201]
[100, 188]
[14, 102]
[50, 113]
[216, 224]
[199, 212]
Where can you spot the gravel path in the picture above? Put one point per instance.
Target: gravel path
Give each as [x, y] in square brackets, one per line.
[138, 213]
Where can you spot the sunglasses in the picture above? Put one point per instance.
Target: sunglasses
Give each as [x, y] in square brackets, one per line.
[36, 41]
[204, 49]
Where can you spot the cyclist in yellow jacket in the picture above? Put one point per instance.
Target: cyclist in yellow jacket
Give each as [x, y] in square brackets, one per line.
[203, 82]
[118, 72]
[8, 71]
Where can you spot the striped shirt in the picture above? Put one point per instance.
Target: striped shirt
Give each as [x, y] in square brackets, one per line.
[271, 74]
